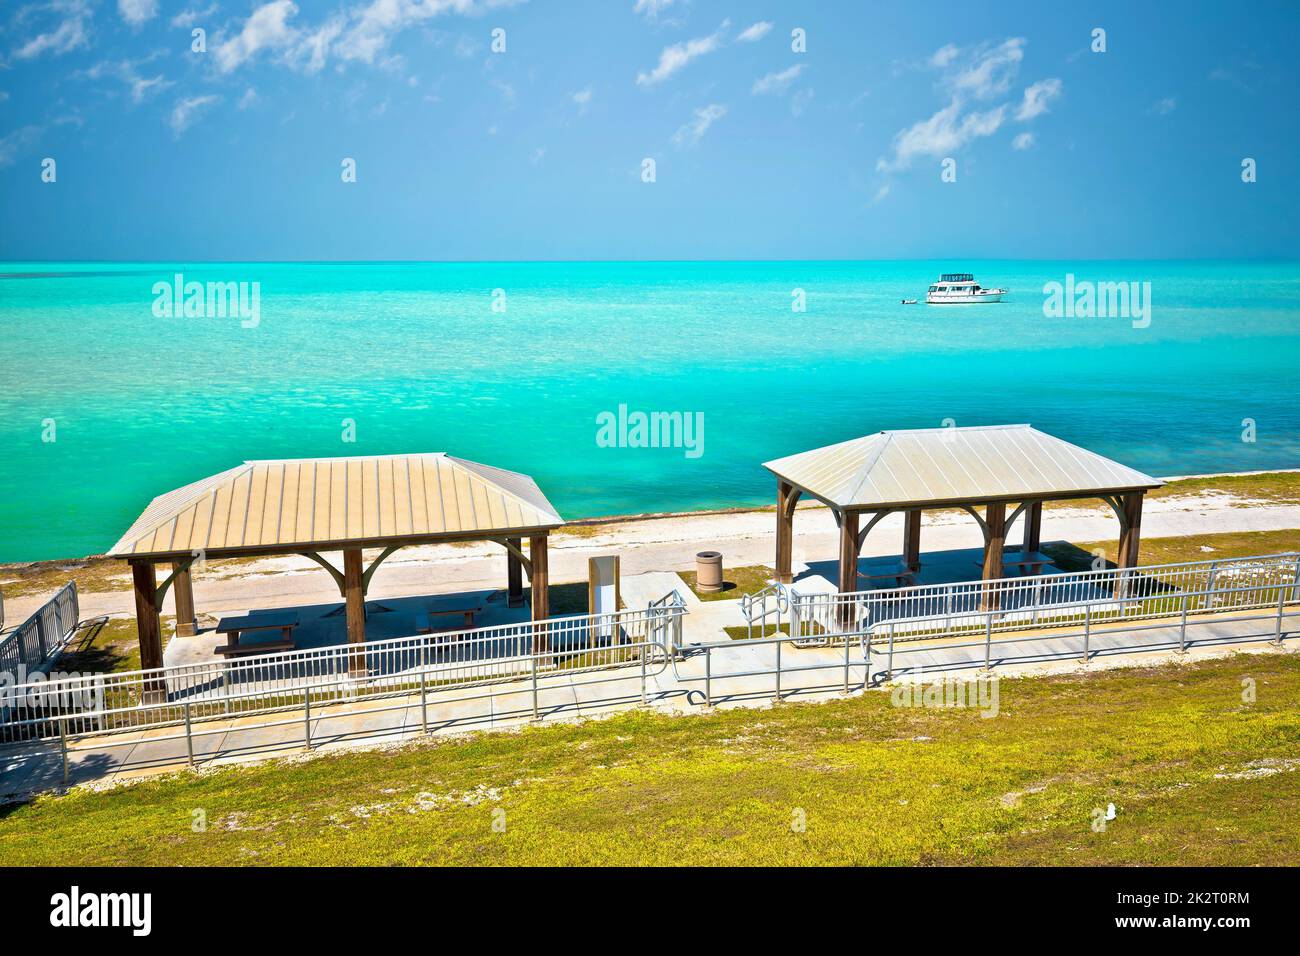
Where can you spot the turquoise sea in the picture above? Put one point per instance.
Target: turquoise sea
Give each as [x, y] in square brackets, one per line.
[416, 357]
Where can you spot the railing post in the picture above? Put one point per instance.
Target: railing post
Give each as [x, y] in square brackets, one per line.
[642, 655]
[866, 662]
[1182, 628]
[889, 669]
[1281, 598]
[306, 709]
[536, 715]
[846, 664]
[189, 734]
[779, 642]
[424, 702]
[988, 641]
[63, 746]
[708, 677]
[1087, 632]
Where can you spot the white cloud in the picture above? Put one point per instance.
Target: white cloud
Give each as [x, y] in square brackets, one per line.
[583, 99]
[694, 131]
[799, 102]
[755, 32]
[777, 82]
[127, 71]
[1164, 107]
[1036, 99]
[538, 155]
[17, 142]
[362, 32]
[69, 32]
[248, 99]
[971, 75]
[187, 18]
[990, 70]
[941, 134]
[944, 55]
[137, 12]
[650, 9]
[674, 57]
[266, 28]
[186, 111]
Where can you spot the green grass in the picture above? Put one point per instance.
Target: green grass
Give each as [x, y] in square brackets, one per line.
[1234, 544]
[735, 582]
[877, 784]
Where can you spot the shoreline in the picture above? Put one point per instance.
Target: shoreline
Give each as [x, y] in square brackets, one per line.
[638, 518]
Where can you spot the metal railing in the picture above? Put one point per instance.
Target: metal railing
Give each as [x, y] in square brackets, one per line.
[1095, 613]
[771, 603]
[852, 662]
[43, 635]
[119, 703]
[1044, 600]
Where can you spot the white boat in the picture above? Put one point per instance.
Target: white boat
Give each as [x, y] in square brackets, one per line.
[960, 288]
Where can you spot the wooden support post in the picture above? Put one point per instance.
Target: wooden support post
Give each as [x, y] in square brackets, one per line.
[148, 626]
[1131, 531]
[912, 539]
[1033, 528]
[354, 598]
[1129, 536]
[514, 574]
[183, 589]
[995, 520]
[848, 563]
[786, 496]
[541, 595]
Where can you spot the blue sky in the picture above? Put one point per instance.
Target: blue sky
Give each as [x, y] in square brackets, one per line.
[536, 152]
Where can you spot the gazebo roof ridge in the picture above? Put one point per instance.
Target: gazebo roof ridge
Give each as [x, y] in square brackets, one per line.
[308, 503]
[939, 466]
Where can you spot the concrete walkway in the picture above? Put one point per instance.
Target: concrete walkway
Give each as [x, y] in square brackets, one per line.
[678, 687]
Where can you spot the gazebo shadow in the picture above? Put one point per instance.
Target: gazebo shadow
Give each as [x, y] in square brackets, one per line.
[955, 566]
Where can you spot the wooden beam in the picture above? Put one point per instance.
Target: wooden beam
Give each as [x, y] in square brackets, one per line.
[148, 626]
[514, 574]
[912, 539]
[541, 594]
[848, 552]
[354, 598]
[876, 518]
[1033, 528]
[786, 497]
[995, 520]
[334, 572]
[186, 624]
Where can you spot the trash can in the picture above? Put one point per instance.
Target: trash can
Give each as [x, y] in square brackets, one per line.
[708, 571]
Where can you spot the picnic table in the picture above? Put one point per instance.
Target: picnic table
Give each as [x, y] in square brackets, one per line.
[900, 574]
[237, 627]
[466, 608]
[1030, 564]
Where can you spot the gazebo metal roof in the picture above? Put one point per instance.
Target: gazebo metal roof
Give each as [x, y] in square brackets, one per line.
[316, 504]
[933, 467]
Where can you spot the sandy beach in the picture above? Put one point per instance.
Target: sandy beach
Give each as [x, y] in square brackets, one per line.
[655, 543]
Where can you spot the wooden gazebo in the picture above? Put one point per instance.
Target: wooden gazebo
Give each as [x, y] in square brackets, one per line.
[316, 505]
[907, 472]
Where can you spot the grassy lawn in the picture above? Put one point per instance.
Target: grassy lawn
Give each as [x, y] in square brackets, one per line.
[735, 582]
[1201, 547]
[1198, 777]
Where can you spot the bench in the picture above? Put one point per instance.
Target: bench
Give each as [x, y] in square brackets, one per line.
[1030, 565]
[900, 574]
[465, 608]
[236, 627]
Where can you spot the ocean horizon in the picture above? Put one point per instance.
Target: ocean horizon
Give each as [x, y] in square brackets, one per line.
[110, 398]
